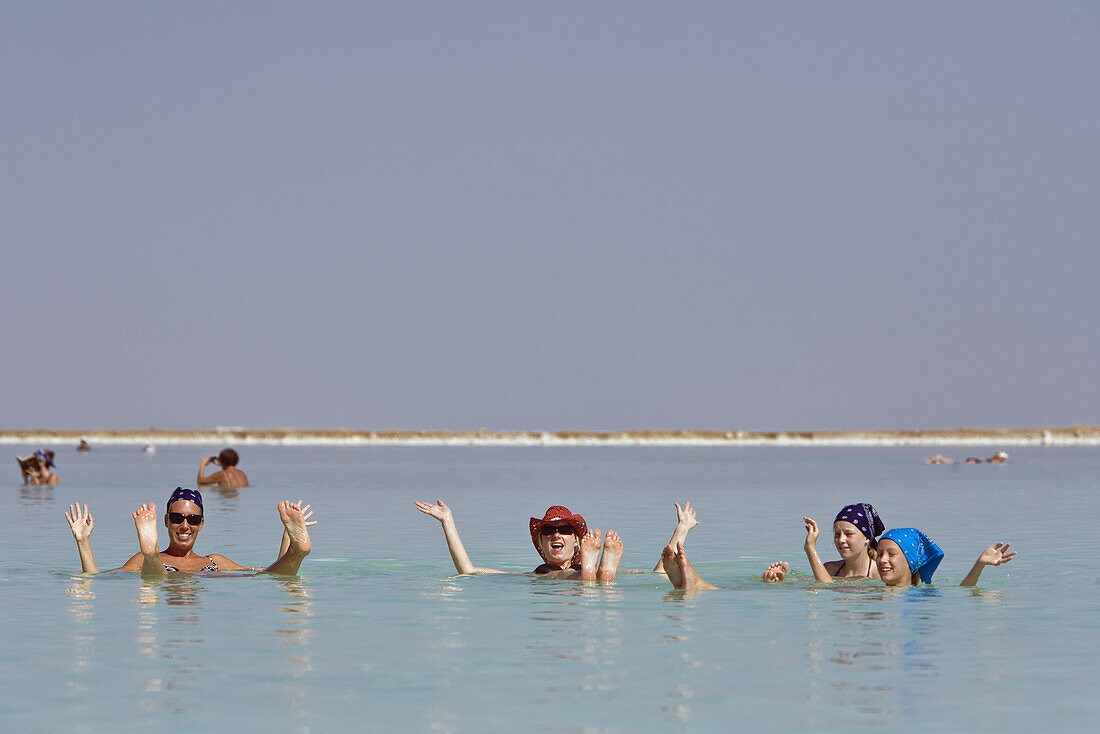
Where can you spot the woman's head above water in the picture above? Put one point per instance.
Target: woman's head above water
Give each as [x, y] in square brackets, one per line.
[557, 536]
[183, 515]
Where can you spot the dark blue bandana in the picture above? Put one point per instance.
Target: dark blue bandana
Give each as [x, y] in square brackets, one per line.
[864, 517]
[191, 495]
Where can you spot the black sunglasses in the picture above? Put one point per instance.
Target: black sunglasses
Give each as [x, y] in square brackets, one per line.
[177, 518]
[560, 529]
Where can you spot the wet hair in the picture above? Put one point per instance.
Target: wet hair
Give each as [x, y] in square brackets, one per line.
[228, 457]
[187, 495]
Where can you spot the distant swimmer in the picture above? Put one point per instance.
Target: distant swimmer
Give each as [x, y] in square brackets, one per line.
[998, 458]
[229, 476]
[569, 550]
[83, 446]
[37, 468]
[149, 448]
[939, 459]
[184, 520]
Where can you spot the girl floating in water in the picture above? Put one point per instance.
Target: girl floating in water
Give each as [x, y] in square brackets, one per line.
[854, 532]
[568, 549]
[184, 519]
[906, 556]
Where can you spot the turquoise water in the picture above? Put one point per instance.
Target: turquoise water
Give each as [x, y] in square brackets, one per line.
[375, 632]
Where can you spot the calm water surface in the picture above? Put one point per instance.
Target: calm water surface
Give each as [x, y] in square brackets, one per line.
[375, 632]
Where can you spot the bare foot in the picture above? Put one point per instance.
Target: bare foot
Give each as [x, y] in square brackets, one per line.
[612, 554]
[590, 552]
[776, 572]
[145, 520]
[668, 561]
[692, 580]
[295, 524]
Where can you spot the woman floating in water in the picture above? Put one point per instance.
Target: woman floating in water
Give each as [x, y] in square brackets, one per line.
[854, 531]
[229, 475]
[184, 519]
[568, 549]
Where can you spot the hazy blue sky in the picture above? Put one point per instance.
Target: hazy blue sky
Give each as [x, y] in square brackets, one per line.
[550, 215]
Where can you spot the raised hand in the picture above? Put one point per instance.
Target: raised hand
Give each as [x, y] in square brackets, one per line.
[80, 522]
[812, 532]
[439, 510]
[996, 555]
[685, 516]
[307, 512]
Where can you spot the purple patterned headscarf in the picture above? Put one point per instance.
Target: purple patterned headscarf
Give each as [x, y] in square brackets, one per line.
[864, 517]
[191, 495]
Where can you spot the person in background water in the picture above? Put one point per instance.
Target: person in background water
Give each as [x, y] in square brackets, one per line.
[228, 476]
[184, 519]
[83, 446]
[36, 468]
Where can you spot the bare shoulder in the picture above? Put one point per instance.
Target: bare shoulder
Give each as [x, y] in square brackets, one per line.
[217, 477]
[134, 564]
[225, 564]
[833, 567]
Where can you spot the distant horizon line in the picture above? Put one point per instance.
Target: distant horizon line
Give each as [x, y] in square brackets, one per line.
[1054, 436]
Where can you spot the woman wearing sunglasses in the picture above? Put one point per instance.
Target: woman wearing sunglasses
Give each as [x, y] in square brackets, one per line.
[568, 549]
[184, 519]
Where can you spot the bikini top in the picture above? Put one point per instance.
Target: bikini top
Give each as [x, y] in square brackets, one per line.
[547, 568]
[869, 562]
[211, 567]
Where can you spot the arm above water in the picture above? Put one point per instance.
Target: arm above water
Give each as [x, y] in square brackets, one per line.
[685, 521]
[820, 572]
[442, 513]
[217, 477]
[80, 522]
[995, 555]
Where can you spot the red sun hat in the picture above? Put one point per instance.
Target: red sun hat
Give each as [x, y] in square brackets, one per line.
[559, 514]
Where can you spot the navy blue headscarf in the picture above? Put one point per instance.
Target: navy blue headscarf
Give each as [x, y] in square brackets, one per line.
[864, 517]
[191, 495]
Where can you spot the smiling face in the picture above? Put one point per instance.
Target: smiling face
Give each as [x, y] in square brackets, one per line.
[183, 533]
[848, 539]
[892, 566]
[558, 543]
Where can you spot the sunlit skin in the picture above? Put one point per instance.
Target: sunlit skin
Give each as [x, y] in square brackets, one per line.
[182, 536]
[893, 568]
[853, 546]
[556, 548]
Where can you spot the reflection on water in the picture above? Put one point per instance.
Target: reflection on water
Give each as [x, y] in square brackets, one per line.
[81, 595]
[577, 634]
[866, 648]
[37, 493]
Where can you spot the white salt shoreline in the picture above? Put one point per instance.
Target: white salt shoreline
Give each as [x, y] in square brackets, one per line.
[1075, 436]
